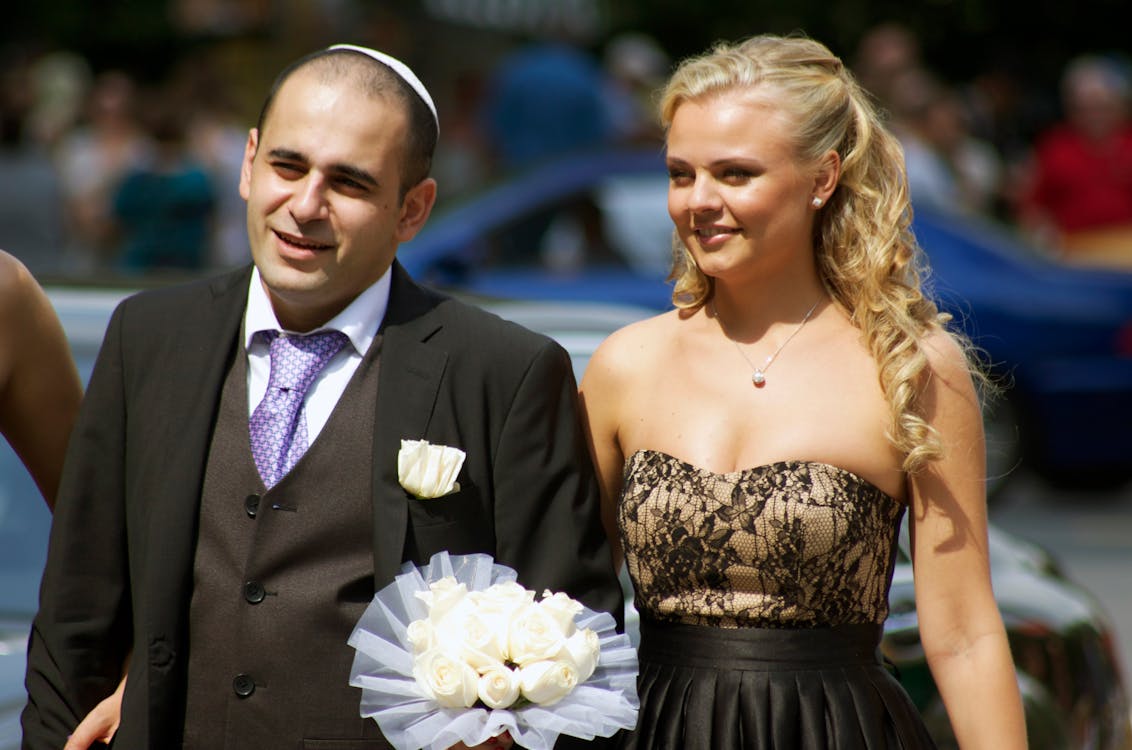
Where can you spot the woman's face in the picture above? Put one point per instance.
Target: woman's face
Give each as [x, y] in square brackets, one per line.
[737, 193]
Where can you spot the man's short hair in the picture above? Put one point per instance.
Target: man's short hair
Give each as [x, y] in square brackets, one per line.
[373, 79]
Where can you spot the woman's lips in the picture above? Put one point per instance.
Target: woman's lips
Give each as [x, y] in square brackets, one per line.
[714, 235]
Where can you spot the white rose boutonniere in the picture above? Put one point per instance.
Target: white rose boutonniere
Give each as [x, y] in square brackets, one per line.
[428, 471]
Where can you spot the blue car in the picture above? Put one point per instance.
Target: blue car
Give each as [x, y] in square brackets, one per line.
[591, 228]
[1062, 337]
[595, 227]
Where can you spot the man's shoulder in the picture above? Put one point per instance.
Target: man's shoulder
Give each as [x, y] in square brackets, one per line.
[482, 329]
[471, 336]
[181, 297]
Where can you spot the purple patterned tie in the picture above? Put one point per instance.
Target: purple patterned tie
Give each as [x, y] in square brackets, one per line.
[278, 431]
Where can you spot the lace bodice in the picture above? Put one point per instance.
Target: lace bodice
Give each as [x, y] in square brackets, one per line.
[789, 544]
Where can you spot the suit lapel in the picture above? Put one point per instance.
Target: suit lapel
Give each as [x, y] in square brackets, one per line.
[410, 375]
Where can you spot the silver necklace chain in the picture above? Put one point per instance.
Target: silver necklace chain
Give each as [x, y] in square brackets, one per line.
[758, 374]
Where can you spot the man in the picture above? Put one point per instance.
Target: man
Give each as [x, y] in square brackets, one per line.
[232, 568]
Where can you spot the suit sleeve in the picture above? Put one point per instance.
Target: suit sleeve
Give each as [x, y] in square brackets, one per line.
[547, 508]
[81, 634]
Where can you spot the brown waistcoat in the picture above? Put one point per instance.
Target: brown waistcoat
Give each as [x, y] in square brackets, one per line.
[280, 577]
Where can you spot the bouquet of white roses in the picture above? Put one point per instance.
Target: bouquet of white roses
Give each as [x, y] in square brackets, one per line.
[459, 651]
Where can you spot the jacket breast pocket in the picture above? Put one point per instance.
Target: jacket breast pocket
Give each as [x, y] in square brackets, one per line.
[459, 523]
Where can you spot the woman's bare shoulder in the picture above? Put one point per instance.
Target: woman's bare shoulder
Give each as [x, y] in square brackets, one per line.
[636, 340]
[948, 355]
[14, 275]
[20, 294]
[952, 374]
[22, 304]
[627, 350]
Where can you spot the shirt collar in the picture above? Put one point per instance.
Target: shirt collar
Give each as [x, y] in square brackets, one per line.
[360, 320]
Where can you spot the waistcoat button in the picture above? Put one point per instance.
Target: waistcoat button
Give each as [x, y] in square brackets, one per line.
[251, 505]
[243, 685]
[254, 592]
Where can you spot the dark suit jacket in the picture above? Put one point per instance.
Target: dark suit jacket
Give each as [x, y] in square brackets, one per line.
[118, 578]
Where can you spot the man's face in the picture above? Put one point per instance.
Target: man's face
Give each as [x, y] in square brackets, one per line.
[322, 184]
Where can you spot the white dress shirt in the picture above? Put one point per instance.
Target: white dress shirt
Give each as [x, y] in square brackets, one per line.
[360, 322]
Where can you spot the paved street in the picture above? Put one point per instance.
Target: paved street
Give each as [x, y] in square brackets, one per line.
[1089, 533]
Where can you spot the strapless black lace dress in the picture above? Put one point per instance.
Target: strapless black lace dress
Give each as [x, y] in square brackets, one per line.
[762, 594]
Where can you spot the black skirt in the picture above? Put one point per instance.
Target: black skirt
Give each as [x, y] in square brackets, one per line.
[707, 688]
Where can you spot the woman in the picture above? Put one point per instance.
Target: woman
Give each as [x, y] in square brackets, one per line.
[758, 446]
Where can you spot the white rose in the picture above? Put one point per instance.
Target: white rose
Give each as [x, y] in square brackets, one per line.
[563, 609]
[428, 471]
[502, 599]
[497, 607]
[449, 628]
[442, 597]
[583, 649]
[498, 686]
[421, 636]
[534, 635]
[547, 682]
[447, 678]
[480, 644]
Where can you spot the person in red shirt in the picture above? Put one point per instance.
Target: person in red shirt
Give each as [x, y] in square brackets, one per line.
[1079, 196]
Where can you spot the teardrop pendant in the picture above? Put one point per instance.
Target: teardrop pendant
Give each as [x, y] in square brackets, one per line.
[758, 376]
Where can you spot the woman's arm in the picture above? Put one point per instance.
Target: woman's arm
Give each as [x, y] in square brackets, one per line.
[601, 395]
[960, 625]
[40, 389]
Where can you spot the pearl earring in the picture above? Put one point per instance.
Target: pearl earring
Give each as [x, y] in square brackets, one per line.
[816, 202]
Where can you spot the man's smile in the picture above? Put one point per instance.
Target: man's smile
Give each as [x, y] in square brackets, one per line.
[301, 242]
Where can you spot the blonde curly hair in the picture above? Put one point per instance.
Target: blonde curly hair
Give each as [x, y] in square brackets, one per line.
[865, 251]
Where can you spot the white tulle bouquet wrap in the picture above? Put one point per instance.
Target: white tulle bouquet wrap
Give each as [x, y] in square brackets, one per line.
[459, 651]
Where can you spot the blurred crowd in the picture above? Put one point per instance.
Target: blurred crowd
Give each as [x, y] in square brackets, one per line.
[1055, 165]
[108, 173]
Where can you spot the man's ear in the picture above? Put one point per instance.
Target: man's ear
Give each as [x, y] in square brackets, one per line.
[246, 166]
[415, 209]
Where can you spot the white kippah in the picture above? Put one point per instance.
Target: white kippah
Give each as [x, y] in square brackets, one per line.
[398, 67]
